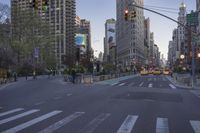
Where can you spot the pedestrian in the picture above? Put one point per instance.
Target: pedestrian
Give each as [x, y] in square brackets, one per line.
[73, 75]
[15, 76]
[34, 74]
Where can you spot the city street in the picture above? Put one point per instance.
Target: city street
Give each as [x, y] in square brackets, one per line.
[143, 104]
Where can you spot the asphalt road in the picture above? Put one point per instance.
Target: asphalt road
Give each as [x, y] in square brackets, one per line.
[144, 104]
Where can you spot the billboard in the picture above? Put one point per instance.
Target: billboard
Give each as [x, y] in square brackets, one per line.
[80, 39]
[111, 38]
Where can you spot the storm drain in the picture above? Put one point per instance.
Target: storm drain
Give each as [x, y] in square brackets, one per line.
[155, 96]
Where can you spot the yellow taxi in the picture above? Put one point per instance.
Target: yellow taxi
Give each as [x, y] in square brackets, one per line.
[156, 71]
[144, 72]
[166, 72]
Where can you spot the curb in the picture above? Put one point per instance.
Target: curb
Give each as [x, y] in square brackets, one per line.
[177, 84]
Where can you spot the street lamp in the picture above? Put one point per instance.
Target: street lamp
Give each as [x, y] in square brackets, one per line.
[182, 56]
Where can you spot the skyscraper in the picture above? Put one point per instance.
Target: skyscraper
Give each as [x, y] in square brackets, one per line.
[130, 35]
[181, 29]
[60, 14]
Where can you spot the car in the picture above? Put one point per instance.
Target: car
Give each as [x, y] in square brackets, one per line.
[143, 72]
[156, 72]
[166, 72]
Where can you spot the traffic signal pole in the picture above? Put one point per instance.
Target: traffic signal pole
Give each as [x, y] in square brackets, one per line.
[186, 27]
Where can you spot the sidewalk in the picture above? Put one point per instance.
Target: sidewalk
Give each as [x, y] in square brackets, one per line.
[116, 80]
[181, 85]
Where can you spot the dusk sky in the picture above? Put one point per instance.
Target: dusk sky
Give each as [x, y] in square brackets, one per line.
[97, 11]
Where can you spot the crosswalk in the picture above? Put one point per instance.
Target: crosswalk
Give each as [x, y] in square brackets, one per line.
[142, 84]
[126, 125]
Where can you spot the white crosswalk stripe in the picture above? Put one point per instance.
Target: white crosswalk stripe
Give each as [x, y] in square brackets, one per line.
[172, 86]
[114, 84]
[94, 123]
[196, 126]
[162, 125]
[31, 122]
[141, 84]
[18, 116]
[121, 84]
[11, 111]
[128, 124]
[61, 123]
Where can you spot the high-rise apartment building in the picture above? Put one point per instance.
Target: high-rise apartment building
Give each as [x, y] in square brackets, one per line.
[61, 16]
[130, 35]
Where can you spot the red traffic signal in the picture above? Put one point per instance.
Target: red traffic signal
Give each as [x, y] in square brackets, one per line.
[126, 15]
[198, 55]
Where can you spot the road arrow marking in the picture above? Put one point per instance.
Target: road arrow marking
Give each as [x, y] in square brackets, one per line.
[150, 85]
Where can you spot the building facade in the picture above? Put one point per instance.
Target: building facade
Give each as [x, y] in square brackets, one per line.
[130, 35]
[181, 30]
[60, 14]
[146, 40]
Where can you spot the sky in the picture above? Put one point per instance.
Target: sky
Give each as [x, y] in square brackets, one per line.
[98, 11]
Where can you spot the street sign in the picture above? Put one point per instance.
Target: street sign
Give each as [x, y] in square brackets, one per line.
[192, 19]
[36, 52]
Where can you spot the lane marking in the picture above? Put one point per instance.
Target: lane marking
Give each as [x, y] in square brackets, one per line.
[114, 84]
[31, 122]
[162, 125]
[57, 98]
[18, 116]
[172, 86]
[61, 123]
[128, 124]
[141, 84]
[121, 84]
[195, 126]
[11, 111]
[94, 123]
[69, 95]
[150, 85]
[39, 103]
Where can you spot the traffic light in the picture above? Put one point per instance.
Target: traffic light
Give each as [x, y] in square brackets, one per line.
[132, 15]
[198, 55]
[126, 15]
